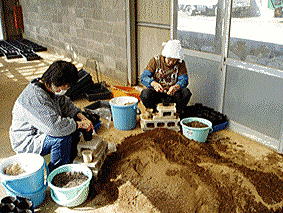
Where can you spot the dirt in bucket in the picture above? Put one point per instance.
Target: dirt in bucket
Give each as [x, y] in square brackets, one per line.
[69, 179]
[196, 124]
[128, 103]
[162, 171]
[14, 169]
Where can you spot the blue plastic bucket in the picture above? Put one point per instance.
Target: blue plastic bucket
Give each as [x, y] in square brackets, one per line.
[29, 184]
[36, 197]
[72, 196]
[193, 133]
[124, 112]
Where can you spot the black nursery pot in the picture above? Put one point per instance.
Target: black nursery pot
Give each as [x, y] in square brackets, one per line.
[87, 135]
[24, 204]
[16, 204]
[8, 207]
[24, 210]
[9, 199]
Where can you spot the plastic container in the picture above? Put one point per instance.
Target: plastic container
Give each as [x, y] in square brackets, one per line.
[219, 127]
[29, 184]
[103, 109]
[31, 180]
[98, 92]
[98, 104]
[219, 121]
[72, 196]
[193, 133]
[36, 197]
[124, 112]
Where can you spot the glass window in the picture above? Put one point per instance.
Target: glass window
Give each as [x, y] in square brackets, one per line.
[256, 34]
[200, 24]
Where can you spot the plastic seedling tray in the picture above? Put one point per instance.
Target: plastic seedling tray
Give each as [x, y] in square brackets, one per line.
[98, 104]
[219, 127]
[98, 92]
[218, 120]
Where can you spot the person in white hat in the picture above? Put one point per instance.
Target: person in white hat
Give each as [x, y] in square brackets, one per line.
[166, 78]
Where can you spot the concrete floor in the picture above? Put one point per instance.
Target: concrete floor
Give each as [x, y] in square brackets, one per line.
[14, 76]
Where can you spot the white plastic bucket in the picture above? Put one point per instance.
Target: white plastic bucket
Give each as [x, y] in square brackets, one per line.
[124, 112]
[72, 196]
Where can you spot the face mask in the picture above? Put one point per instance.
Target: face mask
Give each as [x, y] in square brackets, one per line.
[62, 92]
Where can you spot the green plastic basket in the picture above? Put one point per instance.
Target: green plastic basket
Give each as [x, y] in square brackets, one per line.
[193, 133]
[72, 196]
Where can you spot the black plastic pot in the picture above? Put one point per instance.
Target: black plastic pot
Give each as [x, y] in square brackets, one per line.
[16, 204]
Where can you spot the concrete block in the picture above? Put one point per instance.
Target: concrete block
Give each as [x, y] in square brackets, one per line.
[97, 14]
[166, 112]
[119, 41]
[95, 165]
[110, 62]
[166, 117]
[122, 66]
[119, 28]
[148, 124]
[96, 145]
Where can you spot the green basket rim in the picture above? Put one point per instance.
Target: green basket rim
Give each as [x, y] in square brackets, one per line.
[196, 128]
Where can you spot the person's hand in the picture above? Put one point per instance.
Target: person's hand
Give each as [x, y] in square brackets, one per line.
[81, 116]
[85, 124]
[173, 89]
[157, 87]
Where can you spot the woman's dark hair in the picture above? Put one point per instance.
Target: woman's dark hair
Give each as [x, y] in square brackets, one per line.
[60, 73]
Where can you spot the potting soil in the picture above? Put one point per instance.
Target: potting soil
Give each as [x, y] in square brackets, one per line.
[196, 124]
[175, 174]
[69, 179]
[14, 169]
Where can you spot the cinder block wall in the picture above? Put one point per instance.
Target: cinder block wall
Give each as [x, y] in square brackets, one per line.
[89, 31]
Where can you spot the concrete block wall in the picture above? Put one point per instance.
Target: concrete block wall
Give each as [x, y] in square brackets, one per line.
[88, 31]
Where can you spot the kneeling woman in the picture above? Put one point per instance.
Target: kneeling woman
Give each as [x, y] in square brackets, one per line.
[44, 120]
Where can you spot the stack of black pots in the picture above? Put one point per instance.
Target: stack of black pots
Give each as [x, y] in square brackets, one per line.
[198, 110]
[11, 204]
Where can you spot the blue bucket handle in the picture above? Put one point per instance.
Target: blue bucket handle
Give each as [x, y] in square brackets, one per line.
[138, 111]
[18, 193]
[47, 172]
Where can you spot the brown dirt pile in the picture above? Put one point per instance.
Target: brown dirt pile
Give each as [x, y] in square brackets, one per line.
[179, 175]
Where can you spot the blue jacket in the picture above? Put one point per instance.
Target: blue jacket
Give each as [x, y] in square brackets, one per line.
[147, 78]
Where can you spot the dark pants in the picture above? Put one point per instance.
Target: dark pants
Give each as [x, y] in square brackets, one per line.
[150, 98]
[62, 150]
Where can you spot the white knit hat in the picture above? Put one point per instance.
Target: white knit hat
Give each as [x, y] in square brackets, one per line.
[173, 49]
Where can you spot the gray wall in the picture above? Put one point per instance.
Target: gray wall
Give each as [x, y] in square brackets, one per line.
[152, 15]
[88, 30]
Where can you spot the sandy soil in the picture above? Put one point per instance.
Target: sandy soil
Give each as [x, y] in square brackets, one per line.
[162, 171]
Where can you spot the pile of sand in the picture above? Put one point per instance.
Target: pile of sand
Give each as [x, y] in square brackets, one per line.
[174, 174]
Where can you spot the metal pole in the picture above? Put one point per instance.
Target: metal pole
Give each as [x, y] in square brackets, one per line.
[174, 19]
[131, 42]
[224, 49]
